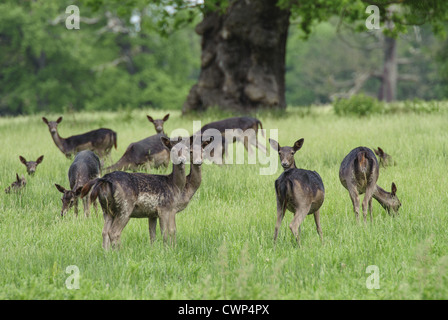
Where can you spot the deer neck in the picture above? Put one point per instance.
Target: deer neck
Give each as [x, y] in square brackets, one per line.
[178, 176]
[382, 196]
[59, 141]
[193, 180]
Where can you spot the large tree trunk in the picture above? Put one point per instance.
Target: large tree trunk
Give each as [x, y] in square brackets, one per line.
[243, 57]
[390, 73]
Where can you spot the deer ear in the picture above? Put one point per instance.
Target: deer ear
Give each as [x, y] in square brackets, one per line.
[380, 151]
[207, 142]
[166, 142]
[59, 120]
[17, 177]
[274, 144]
[45, 120]
[298, 144]
[78, 191]
[394, 189]
[22, 159]
[376, 152]
[39, 160]
[166, 117]
[150, 119]
[60, 188]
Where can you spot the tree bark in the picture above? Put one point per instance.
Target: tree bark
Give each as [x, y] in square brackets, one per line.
[243, 58]
[390, 73]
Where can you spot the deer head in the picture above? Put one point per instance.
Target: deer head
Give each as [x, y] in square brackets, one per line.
[31, 165]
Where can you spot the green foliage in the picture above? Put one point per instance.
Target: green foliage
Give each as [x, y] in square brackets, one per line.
[360, 105]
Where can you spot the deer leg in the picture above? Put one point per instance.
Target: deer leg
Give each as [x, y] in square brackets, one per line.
[370, 210]
[280, 215]
[76, 207]
[172, 227]
[317, 220]
[108, 219]
[299, 216]
[366, 202]
[163, 222]
[152, 221]
[86, 205]
[116, 228]
[355, 200]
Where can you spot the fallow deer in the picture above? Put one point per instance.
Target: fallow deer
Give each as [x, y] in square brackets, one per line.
[359, 173]
[300, 191]
[85, 167]
[99, 141]
[31, 166]
[125, 195]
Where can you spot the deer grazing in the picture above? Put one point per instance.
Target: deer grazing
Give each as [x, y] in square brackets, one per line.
[85, 167]
[124, 195]
[99, 141]
[300, 191]
[17, 185]
[148, 152]
[245, 130]
[31, 165]
[359, 173]
[385, 159]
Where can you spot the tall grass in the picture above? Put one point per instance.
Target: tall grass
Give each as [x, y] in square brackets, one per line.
[225, 246]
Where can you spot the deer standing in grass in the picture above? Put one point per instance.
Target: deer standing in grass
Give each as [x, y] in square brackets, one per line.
[99, 141]
[147, 152]
[300, 191]
[124, 195]
[85, 167]
[245, 130]
[359, 173]
[31, 166]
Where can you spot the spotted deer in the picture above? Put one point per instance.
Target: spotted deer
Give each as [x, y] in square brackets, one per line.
[99, 141]
[31, 166]
[359, 173]
[300, 191]
[126, 195]
[85, 167]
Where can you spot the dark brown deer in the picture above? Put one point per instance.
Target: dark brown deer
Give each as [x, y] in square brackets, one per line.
[124, 195]
[300, 191]
[85, 167]
[194, 178]
[359, 173]
[149, 152]
[385, 159]
[241, 133]
[99, 141]
[158, 123]
[31, 165]
[17, 185]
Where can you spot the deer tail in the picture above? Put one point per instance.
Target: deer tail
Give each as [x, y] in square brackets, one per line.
[115, 139]
[363, 162]
[261, 127]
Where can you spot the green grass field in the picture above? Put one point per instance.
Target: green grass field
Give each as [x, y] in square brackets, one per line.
[225, 246]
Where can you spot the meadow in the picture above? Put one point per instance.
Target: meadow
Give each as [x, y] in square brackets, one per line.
[225, 247]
